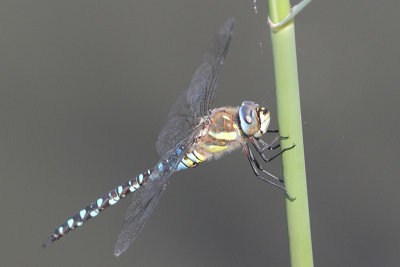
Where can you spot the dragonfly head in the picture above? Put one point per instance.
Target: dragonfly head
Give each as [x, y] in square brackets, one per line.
[254, 120]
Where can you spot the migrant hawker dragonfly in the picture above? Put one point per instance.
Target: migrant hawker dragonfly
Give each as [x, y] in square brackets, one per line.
[194, 133]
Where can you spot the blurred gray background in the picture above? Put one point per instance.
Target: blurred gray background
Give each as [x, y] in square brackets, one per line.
[86, 86]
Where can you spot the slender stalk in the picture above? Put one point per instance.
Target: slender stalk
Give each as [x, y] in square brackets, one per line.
[290, 124]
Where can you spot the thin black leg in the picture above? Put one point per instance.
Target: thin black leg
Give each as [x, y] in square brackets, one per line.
[266, 145]
[256, 165]
[261, 146]
[260, 150]
[276, 131]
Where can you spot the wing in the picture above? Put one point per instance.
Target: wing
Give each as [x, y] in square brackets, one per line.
[195, 102]
[177, 135]
[146, 198]
[143, 203]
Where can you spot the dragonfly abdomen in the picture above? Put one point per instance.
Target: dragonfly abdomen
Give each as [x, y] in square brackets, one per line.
[191, 159]
[103, 202]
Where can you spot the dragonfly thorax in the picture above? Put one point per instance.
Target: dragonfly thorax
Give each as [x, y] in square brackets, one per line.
[254, 119]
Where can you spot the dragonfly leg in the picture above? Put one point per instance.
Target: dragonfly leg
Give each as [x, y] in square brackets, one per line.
[276, 138]
[258, 143]
[277, 131]
[293, 12]
[256, 165]
[262, 145]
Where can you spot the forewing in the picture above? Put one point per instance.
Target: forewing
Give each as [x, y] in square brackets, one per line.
[179, 132]
[195, 102]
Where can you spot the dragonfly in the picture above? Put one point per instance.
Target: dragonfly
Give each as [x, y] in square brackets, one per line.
[194, 133]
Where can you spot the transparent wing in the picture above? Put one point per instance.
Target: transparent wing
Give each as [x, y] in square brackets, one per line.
[195, 102]
[146, 198]
[178, 134]
[143, 203]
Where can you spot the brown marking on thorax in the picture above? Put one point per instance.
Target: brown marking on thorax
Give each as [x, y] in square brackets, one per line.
[221, 132]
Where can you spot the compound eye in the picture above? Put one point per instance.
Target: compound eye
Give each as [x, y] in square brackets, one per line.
[246, 114]
[248, 117]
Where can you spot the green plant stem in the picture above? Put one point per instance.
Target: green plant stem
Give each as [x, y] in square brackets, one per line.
[290, 124]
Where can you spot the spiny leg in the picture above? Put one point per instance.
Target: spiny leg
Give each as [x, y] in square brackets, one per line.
[277, 131]
[269, 146]
[261, 146]
[256, 165]
[257, 146]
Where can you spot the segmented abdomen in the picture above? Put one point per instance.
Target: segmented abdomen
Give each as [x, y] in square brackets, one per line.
[191, 159]
[98, 205]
